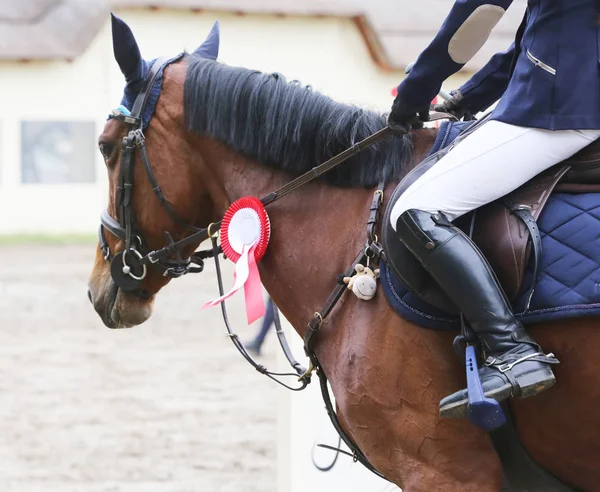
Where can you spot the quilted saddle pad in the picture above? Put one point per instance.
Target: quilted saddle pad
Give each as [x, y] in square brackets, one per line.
[568, 283]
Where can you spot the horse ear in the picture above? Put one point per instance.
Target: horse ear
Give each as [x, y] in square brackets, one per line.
[210, 47]
[127, 51]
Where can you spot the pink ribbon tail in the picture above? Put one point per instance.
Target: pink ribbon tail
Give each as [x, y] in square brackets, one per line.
[255, 305]
[246, 275]
[240, 275]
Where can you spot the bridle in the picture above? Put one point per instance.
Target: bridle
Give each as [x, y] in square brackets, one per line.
[129, 267]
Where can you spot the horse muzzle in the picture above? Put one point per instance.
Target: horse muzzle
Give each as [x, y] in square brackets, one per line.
[118, 308]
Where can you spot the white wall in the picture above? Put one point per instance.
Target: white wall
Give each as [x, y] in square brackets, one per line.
[326, 53]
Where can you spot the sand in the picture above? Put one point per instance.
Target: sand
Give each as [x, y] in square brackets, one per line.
[169, 406]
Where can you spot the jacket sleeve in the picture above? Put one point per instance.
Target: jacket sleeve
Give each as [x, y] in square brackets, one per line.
[462, 35]
[488, 85]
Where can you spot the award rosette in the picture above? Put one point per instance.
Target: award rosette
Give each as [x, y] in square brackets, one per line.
[245, 233]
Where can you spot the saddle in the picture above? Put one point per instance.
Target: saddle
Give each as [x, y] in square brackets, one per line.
[505, 230]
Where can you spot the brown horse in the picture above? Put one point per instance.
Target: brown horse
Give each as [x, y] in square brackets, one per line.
[220, 133]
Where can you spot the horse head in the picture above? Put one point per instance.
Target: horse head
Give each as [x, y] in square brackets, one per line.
[176, 200]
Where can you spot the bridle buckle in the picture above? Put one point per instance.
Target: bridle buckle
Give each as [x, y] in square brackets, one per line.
[176, 271]
[151, 258]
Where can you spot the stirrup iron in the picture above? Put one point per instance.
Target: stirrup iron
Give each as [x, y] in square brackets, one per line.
[485, 413]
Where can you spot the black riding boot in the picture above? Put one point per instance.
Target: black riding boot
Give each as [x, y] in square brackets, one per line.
[515, 364]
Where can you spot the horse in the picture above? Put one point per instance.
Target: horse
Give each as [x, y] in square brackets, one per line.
[218, 133]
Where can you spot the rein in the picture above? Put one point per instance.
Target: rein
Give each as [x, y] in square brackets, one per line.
[302, 374]
[129, 267]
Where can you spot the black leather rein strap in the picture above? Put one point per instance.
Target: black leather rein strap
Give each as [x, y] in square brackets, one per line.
[342, 157]
[301, 374]
[328, 165]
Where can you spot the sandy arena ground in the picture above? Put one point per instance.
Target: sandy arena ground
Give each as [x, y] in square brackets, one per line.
[166, 407]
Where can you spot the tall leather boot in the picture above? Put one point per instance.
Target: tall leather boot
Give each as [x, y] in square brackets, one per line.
[515, 365]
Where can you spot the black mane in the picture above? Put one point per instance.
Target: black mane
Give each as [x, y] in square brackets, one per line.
[287, 126]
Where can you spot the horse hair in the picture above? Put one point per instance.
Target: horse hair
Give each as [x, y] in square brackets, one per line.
[287, 126]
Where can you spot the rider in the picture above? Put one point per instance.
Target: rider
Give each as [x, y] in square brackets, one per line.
[548, 83]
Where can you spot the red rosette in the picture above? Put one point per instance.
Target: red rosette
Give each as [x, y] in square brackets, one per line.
[245, 222]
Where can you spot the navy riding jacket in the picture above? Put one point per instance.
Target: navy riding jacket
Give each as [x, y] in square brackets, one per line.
[549, 78]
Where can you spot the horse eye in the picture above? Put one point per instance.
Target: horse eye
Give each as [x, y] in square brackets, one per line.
[106, 150]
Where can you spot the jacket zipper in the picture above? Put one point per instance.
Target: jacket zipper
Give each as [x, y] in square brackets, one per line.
[539, 63]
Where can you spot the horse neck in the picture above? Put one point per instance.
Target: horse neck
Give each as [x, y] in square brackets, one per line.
[316, 231]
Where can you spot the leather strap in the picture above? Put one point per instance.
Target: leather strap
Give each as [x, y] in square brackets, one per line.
[299, 368]
[304, 378]
[527, 203]
[328, 165]
[503, 235]
[374, 212]
[126, 177]
[356, 452]
[335, 161]
[314, 325]
[142, 98]
[158, 191]
[524, 213]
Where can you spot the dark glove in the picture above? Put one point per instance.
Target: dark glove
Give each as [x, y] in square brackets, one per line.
[454, 107]
[404, 117]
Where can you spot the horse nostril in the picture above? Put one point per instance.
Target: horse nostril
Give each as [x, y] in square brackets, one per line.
[90, 296]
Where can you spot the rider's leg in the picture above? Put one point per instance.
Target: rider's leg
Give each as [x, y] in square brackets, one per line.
[494, 160]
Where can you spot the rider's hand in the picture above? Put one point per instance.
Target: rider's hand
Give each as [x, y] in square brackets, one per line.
[403, 117]
[454, 107]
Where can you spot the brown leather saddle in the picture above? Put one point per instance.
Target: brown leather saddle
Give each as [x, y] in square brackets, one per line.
[505, 230]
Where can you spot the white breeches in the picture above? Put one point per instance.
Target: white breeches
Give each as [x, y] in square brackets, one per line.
[494, 160]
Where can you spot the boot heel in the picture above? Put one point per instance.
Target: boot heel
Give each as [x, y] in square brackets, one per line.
[531, 386]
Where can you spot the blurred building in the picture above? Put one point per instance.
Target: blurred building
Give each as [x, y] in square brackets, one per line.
[58, 78]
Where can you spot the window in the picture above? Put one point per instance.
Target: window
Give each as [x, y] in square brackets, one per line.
[58, 152]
